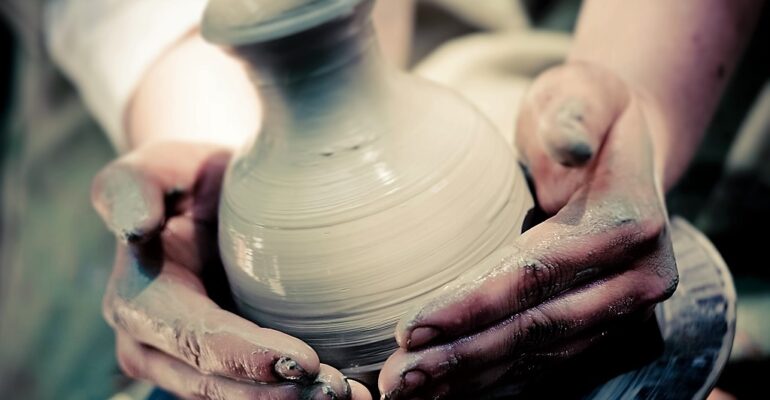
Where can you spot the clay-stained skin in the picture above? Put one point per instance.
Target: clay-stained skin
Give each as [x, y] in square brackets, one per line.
[168, 329]
[554, 292]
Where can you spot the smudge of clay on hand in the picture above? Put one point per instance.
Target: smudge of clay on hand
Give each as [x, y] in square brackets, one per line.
[132, 207]
[330, 384]
[290, 370]
[565, 136]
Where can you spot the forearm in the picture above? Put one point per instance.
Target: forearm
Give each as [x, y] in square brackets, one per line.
[195, 91]
[677, 53]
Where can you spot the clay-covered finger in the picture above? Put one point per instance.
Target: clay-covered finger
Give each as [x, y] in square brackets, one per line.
[568, 112]
[129, 194]
[130, 203]
[457, 386]
[173, 375]
[534, 270]
[505, 379]
[333, 383]
[165, 306]
[616, 218]
[569, 315]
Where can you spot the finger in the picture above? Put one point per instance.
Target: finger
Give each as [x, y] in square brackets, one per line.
[568, 112]
[516, 372]
[333, 383]
[129, 194]
[537, 269]
[570, 115]
[190, 242]
[569, 315]
[462, 386]
[142, 362]
[163, 305]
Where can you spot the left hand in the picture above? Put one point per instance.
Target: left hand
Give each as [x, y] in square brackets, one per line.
[605, 257]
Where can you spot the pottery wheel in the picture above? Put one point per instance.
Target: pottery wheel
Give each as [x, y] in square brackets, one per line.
[697, 325]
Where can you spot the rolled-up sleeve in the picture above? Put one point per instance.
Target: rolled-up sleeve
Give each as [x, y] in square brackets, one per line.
[106, 46]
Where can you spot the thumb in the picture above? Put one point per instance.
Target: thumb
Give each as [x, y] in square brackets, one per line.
[130, 193]
[568, 112]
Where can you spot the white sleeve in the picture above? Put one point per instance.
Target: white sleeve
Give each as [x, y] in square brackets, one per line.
[105, 47]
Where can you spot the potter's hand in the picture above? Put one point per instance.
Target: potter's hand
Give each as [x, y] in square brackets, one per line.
[603, 259]
[162, 202]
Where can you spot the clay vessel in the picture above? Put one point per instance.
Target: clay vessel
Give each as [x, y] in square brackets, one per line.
[365, 190]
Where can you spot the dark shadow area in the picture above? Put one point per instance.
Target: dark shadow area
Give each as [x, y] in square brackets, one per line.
[579, 377]
[746, 379]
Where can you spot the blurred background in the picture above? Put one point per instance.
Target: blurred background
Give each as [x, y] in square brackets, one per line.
[55, 255]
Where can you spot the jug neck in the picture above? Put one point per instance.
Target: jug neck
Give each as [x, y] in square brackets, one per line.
[319, 76]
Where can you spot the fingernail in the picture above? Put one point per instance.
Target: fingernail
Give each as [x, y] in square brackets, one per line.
[412, 381]
[421, 336]
[290, 370]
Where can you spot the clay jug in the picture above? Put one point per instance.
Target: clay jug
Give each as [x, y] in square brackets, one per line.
[365, 190]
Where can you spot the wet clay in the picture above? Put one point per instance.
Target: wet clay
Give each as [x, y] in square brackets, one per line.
[365, 191]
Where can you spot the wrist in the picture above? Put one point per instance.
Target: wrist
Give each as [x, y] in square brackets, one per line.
[659, 125]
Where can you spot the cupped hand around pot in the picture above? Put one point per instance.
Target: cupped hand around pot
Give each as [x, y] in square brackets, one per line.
[161, 201]
[602, 259]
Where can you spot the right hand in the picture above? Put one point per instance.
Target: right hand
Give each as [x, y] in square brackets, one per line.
[161, 200]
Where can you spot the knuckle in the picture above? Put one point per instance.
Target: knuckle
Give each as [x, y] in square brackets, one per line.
[441, 361]
[665, 284]
[453, 359]
[207, 388]
[188, 343]
[535, 327]
[661, 282]
[640, 226]
[652, 228]
[539, 279]
[239, 366]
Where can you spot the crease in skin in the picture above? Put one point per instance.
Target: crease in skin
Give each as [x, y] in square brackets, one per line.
[558, 351]
[196, 341]
[619, 215]
[329, 387]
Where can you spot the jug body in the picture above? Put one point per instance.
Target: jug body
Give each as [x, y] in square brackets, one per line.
[365, 191]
